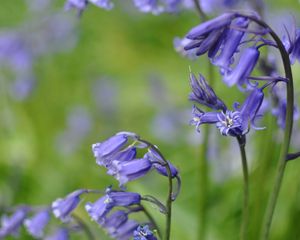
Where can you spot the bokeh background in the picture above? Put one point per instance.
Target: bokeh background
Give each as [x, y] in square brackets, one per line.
[81, 80]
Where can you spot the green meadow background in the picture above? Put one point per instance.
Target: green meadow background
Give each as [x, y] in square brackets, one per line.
[124, 74]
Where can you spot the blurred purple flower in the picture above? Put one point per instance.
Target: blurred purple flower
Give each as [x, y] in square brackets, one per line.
[35, 225]
[143, 233]
[63, 207]
[79, 123]
[11, 225]
[102, 206]
[81, 5]
[60, 234]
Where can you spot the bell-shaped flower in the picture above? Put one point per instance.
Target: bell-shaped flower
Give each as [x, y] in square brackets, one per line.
[81, 5]
[63, 207]
[239, 75]
[113, 222]
[143, 233]
[105, 151]
[230, 44]
[200, 117]
[102, 206]
[11, 225]
[125, 231]
[125, 171]
[36, 225]
[202, 93]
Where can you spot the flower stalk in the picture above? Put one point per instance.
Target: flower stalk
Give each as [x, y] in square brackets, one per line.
[244, 228]
[287, 131]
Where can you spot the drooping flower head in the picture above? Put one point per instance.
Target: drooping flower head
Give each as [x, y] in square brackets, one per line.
[35, 225]
[203, 94]
[11, 225]
[101, 207]
[143, 233]
[63, 207]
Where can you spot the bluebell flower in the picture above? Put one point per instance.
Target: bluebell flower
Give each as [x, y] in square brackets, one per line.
[11, 225]
[81, 5]
[200, 117]
[158, 164]
[204, 29]
[102, 206]
[35, 225]
[202, 93]
[105, 151]
[125, 171]
[112, 222]
[60, 234]
[180, 44]
[292, 45]
[239, 75]
[232, 123]
[230, 44]
[62, 208]
[149, 6]
[280, 105]
[143, 233]
[125, 231]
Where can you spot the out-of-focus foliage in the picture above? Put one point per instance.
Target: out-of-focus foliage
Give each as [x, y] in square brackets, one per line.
[117, 70]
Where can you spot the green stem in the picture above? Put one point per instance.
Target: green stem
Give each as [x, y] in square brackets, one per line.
[170, 192]
[199, 10]
[287, 132]
[244, 227]
[83, 226]
[152, 220]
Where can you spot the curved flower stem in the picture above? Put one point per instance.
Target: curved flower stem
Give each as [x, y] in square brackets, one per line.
[85, 227]
[287, 132]
[199, 10]
[152, 220]
[244, 227]
[170, 193]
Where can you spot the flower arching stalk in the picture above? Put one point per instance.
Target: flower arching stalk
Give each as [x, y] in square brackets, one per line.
[170, 193]
[244, 226]
[84, 226]
[152, 220]
[287, 132]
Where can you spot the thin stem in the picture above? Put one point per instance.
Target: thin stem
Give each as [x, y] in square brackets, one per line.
[170, 192]
[199, 10]
[287, 132]
[244, 227]
[152, 220]
[84, 226]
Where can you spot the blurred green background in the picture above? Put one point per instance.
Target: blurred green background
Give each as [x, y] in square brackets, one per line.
[118, 71]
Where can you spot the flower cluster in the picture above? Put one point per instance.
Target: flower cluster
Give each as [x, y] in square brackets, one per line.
[111, 211]
[233, 123]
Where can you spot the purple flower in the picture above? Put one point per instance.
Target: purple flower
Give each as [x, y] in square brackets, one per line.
[113, 222]
[239, 75]
[159, 164]
[60, 234]
[180, 44]
[11, 225]
[230, 44]
[230, 123]
[125, 171]
[35, 226]
[148, 6]
[105, 151]
[200, 117]
[62, 208]
[202, 93]
[125, 231]
[204, 29]
[143, 233]
[81, 5]
[101, 207]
